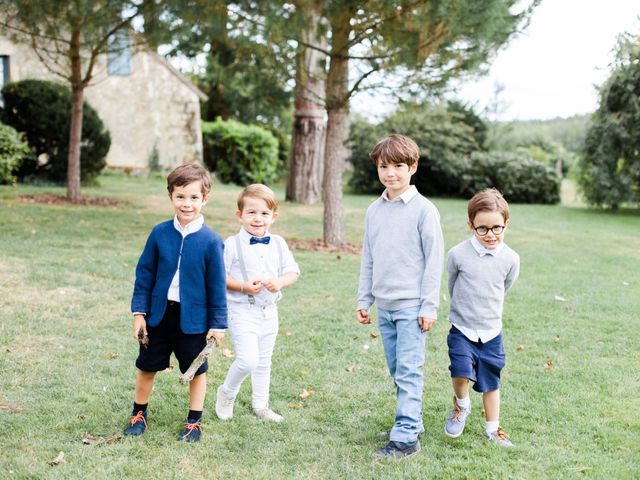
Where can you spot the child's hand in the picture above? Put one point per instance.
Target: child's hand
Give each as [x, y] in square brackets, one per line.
[217, 335]
[363, 317]
[426, 323]
[139, 324]
[272, 284]
[252, 287]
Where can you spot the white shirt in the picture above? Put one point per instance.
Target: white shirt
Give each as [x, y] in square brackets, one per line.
[475, 334]
[405, 197]
[191, 227]
[261, 262]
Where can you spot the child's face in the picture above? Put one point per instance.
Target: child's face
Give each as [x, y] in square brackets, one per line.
[395, 177]
[256, 217]
[187, 201]
[486, 220]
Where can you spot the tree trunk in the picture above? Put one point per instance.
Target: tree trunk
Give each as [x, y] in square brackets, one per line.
[75, 131]
[307, 145]
[337, 98]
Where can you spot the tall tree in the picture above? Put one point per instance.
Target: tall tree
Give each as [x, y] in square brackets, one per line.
[307, 144]
[420, 43]
[610, 166]
[68, 37]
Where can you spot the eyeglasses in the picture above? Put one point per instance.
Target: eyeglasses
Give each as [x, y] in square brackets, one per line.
[496, 230]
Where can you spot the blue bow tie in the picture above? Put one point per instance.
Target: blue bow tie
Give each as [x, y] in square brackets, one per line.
[255, 240]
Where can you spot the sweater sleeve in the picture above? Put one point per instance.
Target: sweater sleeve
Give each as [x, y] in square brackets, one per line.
[145, 276]
[512, 276]
[365, 297]
[216, 285]
[452, 271]
[433, 248]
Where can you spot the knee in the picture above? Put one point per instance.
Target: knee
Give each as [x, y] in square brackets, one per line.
[247, 363]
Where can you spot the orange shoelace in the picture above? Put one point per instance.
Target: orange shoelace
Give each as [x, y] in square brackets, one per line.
[192, 426]
[457, 413]
[137, 418]
[500, 433]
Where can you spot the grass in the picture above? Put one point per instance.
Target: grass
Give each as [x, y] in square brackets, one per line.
[67, 359]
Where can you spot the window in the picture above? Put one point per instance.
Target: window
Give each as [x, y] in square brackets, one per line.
[119, 54]
[4, 74]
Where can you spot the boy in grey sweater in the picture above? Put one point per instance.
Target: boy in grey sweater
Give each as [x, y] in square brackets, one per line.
[481, 270]
[400, 271]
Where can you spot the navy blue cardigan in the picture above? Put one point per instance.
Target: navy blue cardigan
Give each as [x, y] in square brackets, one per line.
[203, 284]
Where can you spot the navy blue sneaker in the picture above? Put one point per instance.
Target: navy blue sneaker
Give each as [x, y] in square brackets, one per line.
[192, 431]
[397, 450]
[137, 424]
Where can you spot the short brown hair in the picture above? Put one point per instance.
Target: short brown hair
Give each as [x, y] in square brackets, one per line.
[189, 173]
[488, 200]
[395, 148]
[258, 190]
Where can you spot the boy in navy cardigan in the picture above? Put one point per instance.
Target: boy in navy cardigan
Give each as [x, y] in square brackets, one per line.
[179, 298]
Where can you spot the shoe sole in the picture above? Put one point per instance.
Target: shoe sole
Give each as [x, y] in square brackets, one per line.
[452, 436]
[398, 458]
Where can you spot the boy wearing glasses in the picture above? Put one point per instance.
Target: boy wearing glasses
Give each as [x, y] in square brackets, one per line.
[481, 270]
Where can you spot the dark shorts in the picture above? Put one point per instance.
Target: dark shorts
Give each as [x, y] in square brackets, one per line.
[479, 362]
[167, 338]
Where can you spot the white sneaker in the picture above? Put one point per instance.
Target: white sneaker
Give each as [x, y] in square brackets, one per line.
[268, 414]
[224, 404]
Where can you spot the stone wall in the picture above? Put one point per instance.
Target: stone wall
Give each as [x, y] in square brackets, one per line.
[153, 109]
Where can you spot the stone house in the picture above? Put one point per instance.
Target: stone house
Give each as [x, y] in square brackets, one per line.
[151, 110]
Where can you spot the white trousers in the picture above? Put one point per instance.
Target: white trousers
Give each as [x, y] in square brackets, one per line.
[253, 331]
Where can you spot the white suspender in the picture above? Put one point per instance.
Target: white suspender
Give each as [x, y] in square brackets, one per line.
[243, 267]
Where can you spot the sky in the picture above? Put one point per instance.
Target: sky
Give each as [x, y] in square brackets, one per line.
[551, 69]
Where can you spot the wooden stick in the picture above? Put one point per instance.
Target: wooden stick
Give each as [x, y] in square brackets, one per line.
[198, 361]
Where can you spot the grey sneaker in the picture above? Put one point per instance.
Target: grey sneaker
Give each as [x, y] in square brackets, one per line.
[500, 437]
[224, 405]
[397, 450]
[454, 426]
[268, 414]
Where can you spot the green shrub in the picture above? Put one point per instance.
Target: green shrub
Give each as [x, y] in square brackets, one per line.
[520, 179]
[239, 153]
[13, 152]
[42, 111]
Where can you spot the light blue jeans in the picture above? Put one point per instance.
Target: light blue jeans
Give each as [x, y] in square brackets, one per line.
[404, 349]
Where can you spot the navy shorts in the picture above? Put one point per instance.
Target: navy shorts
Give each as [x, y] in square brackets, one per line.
[167, 338]
[479, 362]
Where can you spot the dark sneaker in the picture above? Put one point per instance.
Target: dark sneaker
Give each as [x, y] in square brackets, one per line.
[500, 437]
[454, 426]
[192, 431]
[137, 424]
[396, 450]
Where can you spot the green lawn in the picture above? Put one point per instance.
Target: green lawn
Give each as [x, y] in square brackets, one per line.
[67, 359]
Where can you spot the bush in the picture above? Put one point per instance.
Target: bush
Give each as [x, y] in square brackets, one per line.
[13, 152]
[42, 110]
[520, 179]
[239, 153]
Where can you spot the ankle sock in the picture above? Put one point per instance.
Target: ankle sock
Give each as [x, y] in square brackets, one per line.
[492, 427]
[139, 407]
[464, 402]
[195, 415]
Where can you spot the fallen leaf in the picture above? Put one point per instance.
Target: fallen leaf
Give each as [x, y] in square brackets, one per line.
[58, 460]
[560, 299]
[548, 366]
[338, 257]
[10, 408]
[306, 394]
[113, 355]
[520, 347]
[329, 297]
[557, 339]
[373, 335]
[296, 406]
[287, 334]
[90, 439]
[227, 353]
[8, 350]
[351, 368]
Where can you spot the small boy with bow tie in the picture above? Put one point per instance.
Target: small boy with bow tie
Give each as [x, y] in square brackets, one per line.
[258, 266]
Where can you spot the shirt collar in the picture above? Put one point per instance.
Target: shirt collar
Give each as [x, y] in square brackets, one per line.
[191, 227]
[246, 236]
[405, 197]
[482, 251]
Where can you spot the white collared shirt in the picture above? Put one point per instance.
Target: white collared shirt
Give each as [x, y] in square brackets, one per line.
[405, 197]
[261, 262]
[191, 227]
[475, 334]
